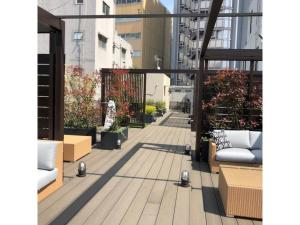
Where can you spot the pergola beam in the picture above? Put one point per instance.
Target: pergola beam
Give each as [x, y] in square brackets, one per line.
[210, 24]
[157, 15]
[233, 54]
[47, 21]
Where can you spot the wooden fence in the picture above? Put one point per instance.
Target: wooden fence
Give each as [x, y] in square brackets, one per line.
[137, 84]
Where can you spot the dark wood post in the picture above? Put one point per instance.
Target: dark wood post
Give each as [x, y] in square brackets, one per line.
[57, 78]
[199, 112]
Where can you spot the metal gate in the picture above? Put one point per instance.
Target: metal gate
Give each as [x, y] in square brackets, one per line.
[130, 87]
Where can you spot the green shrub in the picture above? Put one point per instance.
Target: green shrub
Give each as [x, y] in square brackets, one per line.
[150, 101]
[160, 105]
[150, 109]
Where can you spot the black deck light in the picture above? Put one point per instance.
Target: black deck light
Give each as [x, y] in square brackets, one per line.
[188, 149]
[118, 143]
[185, 178]
[82, 169]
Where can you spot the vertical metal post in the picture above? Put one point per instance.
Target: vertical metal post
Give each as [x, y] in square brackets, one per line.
[103, 78]
[144, 98]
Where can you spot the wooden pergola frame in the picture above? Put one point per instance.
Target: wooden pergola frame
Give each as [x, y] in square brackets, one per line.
[251, 55]
[51, 83]
[206, 54]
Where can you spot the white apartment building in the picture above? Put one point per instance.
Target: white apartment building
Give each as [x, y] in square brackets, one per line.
[89, 43]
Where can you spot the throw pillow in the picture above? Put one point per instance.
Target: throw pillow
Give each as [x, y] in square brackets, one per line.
[221, 140]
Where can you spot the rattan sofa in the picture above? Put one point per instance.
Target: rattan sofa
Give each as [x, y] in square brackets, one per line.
[246, 150]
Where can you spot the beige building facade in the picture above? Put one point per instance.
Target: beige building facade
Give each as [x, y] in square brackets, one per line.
[157, 87]
[150, 38]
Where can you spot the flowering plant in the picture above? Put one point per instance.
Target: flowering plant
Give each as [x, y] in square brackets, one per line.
[121, 92]
[82, 108]
[228, 92]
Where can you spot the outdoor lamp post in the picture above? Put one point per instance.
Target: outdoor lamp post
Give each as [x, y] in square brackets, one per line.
[188, 149]
[185, 178]
[82, 169]
[118, 143]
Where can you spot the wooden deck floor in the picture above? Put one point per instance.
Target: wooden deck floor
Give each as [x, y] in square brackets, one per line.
[145, 190]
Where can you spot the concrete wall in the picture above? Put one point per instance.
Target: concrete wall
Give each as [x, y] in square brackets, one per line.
[118, 60]
[157, 87]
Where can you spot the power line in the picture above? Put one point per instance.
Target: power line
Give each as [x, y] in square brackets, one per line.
[63, 4]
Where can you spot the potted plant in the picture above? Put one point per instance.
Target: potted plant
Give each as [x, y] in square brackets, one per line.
[121, 93]
[160, 108]
[149, 114]
[82, 108]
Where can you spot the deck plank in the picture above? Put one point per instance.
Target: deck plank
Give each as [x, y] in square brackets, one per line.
[212, 213]
[103, 209]
[88, 209]
[182, 206]
[152, 206]
[166, 211]
[135, 209]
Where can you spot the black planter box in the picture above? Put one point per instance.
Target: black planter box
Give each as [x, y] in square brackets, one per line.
[109, 139]
[82, 132]
[149, 118]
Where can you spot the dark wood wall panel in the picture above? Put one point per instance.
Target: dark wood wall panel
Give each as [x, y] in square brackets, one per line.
[45, 106]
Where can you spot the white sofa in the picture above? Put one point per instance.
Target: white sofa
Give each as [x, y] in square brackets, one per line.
[46, 163]
[49, 167]
[246, 149]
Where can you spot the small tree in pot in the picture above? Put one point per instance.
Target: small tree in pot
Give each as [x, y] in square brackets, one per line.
[82, 108]
[121, 93]
[228, 91]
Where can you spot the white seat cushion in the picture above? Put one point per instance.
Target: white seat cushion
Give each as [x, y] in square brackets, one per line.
[255, 139]
[238, 138]
[258, 155]
[241, 155]
[46, 177]
[46, 154]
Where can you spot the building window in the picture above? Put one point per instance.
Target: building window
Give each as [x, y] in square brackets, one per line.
[125, 20]
[131, 36]
[127, 1]
[136, 53]
[123, 53]
[177, 90]
[105, 8]
[102, 41]
[78, 36]
[79, 2]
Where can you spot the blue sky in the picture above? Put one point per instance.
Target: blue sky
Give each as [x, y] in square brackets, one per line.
[169, 4]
